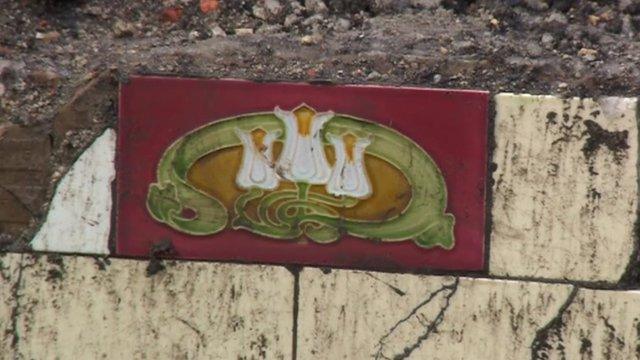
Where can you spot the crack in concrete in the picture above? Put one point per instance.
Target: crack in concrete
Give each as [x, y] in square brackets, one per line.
[15, 311]
[430, 326]
[201, 340]
[540, 344]
[395, 289]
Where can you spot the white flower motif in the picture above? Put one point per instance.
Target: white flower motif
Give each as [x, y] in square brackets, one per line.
[303, 158]
[349, 176]
[257, 168]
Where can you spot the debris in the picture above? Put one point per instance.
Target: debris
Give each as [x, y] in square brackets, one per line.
[44, 77]
[217, 31]
[310, 39]
[588, 54]
[51, 36]
[207, 6]
[374, 75]
[259, 12]
[172, 14]
[123, 29]
[316, 7]
[291, 19]
[342, 25]
[244, 31]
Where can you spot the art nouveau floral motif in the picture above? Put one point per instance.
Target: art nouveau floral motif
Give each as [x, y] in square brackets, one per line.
[303, 158]
[349, 176]
[256, 169]
[298, 209]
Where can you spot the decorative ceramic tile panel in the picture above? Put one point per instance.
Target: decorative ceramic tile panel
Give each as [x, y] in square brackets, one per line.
[347, 176]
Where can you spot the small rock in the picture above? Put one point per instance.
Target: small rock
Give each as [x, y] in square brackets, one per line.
[123, 29]
[217, 31]
[547, 41]
[244, 31]
[207, 6]
[538, 5]
[172, 14]
[562, 85]
[194, 35]
[259, 12]
[533, 49]
[269, 29]
[310, 39]
[342, 25]
[588, 54]
[44, 77]
[374, 75]
[556, 22]
[274, 8]
[425, 4]
[312, 20]
[437, 78]
[2, 89]
[291, 19]
[316, 7]
[51, 36]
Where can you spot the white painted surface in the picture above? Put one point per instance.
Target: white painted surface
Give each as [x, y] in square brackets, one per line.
[359, 315]
[70, 309]
[561, 211]
[79, 219]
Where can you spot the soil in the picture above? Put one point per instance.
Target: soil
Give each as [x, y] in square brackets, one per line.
[50, 47]
[60, 61]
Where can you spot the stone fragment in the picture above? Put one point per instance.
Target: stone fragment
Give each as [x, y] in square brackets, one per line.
[316, 7]
[565, 169]
[291, 19]
[51, 36]
[274, 8]
[123, 29]
[24, 160]
[79, 218]
[244, 31]
[365, 315]
[44, 77]
[259, 12]
[217, 31]
[342, 25]
[596, 324]
[86, 308]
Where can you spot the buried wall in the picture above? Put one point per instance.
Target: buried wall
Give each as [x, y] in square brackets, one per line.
[561, 273]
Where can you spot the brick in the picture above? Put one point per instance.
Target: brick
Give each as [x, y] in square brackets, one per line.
[82, 308]
[564, 203]
[361, 315]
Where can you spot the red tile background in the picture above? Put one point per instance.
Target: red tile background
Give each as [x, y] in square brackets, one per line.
[450, 125]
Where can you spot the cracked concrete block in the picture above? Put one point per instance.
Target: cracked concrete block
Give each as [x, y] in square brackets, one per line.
[90, 308]
[596, 324]
[79, 219]
[364, 315]
[566, 184]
